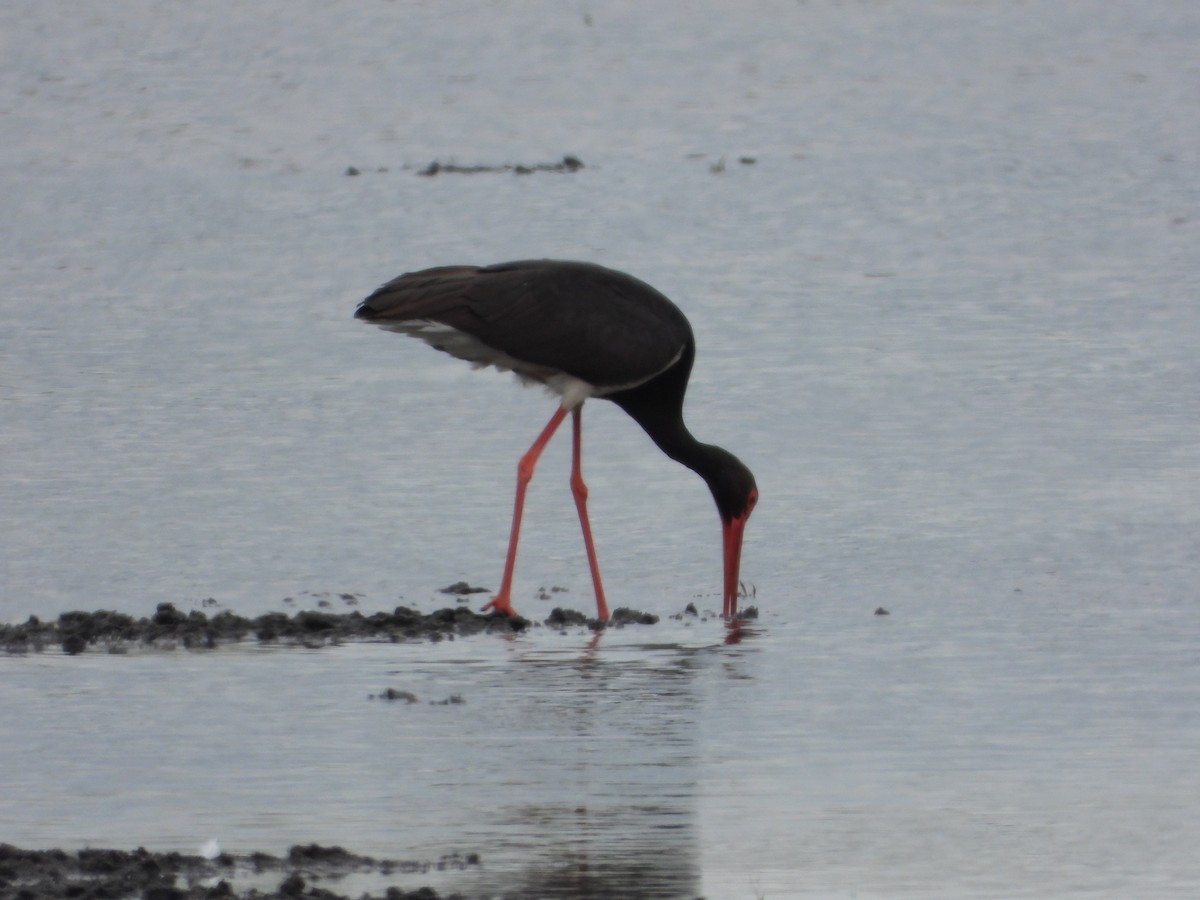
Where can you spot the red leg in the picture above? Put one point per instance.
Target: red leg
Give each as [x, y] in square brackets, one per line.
[579, 489]
[502, 602]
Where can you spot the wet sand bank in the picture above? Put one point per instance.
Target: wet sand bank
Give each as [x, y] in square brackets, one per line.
[104, 630]
[310, 872]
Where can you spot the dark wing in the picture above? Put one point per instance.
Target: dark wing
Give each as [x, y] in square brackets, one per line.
[595, 324]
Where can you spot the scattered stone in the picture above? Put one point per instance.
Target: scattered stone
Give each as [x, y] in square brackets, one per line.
[562, 618]
[689, 612]
[625, 616]
[394, 694]
[334, 857]
[293, 885]
[73, 644]
[461, 588]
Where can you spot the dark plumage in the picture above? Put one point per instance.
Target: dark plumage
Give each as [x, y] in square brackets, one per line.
[583, 331]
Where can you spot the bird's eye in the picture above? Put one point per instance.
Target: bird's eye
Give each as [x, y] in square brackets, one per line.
[751, 501]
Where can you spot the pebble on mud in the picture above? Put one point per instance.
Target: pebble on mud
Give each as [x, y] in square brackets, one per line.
[393, 694]
[626, 616]
[460, 588]
[561, 618]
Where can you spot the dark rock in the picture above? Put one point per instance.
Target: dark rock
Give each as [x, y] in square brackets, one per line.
[167, 614]
[562, 617]
[293, 885]
[74, 644]
[626, 616]
[460, 588]
[392, 694]
[315, 621]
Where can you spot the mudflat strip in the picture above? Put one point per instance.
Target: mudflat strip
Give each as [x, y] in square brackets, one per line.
[98, 874]
[168, 628]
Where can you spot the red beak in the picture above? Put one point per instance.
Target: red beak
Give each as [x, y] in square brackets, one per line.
[731, 538]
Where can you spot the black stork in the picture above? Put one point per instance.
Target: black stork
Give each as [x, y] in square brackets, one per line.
[582, 331]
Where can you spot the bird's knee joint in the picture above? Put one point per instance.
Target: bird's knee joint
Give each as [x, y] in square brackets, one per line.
[578, 488]
[525, 467]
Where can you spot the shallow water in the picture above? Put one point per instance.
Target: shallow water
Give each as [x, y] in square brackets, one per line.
[947, 315]
[560, 762]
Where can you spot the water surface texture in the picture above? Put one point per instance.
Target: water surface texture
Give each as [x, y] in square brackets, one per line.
[941, 262]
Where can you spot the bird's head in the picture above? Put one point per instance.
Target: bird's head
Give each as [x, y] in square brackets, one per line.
[734, 489]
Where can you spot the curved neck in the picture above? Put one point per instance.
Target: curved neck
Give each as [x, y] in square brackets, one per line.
[673, 438]
[657, 406]
[661, 417]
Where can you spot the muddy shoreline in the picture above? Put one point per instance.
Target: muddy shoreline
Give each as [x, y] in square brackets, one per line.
[305, 872]
[308, 872]
[167, 628]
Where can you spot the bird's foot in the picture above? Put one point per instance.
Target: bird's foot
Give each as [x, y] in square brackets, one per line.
[501, 604]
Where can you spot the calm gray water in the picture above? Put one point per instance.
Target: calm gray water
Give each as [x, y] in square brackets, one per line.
[948, 315]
